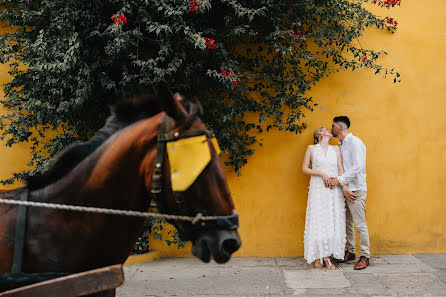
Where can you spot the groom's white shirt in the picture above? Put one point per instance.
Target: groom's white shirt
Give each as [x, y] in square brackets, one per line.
[353, 158]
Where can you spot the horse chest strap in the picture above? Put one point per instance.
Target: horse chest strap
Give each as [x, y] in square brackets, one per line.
[20, 230]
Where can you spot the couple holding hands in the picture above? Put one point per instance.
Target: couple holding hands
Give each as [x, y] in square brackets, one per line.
[338, 179]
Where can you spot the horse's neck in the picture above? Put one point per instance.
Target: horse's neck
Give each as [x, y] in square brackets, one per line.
[111, 177]
[113, 174]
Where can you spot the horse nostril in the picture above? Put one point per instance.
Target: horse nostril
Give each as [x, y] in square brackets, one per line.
[230, 245]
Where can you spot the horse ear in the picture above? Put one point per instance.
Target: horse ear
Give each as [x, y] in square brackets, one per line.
[171, 104]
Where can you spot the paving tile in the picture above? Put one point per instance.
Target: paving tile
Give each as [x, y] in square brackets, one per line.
[313, 279]
[441, 275]
[401, 259]
[332, 291]
[435, 260]
[390, 268]
[334, 295]
[251, 262]
[377, 260]
[294, 262]
[421, 284]
[366, 283]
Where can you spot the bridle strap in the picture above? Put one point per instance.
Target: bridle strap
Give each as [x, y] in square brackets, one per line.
[174, 136]
[167, 124]
[164, 136]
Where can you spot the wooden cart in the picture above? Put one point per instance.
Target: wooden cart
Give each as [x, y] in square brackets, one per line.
[73, 285]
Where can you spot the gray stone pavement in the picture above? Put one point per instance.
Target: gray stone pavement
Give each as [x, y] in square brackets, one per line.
[388, 275]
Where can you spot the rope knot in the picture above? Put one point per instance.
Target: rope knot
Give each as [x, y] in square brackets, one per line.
[197, 218]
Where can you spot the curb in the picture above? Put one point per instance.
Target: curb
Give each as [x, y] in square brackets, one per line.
[142, 258]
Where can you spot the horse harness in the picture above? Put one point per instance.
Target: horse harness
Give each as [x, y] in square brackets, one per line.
[229, 222]
[166, 136]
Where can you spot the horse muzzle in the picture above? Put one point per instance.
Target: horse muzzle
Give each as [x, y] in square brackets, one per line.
[220, 244]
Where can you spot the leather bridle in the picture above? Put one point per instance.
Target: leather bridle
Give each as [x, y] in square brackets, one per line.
[229, 222]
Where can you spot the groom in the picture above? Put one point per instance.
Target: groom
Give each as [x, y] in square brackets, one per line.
[355, 190]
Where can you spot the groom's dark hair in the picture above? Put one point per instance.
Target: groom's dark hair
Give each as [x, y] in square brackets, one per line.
[343, 119]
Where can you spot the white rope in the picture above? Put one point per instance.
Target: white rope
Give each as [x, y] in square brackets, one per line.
[197, 218]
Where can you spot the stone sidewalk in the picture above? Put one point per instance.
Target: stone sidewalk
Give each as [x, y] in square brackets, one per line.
[387, 275]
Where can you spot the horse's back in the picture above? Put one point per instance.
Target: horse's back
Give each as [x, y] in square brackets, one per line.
[11, 193]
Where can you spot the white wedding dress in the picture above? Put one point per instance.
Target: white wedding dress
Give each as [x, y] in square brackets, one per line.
[325, 217]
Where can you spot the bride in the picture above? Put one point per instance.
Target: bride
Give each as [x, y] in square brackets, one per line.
[325, 218]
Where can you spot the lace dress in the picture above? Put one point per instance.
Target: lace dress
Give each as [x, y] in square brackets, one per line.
[325, 217]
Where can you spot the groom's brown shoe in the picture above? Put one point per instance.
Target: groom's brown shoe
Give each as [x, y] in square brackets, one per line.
[348, 257]
[362, 263]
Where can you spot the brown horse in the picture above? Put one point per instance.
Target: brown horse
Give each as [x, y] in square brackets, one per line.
[115, 170]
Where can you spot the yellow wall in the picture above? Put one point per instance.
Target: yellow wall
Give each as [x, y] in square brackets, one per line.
[402, 126]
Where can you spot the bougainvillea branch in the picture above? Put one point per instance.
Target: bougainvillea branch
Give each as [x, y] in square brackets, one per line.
[71, 59]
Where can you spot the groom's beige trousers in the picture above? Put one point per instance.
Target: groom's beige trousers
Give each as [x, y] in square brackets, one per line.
[355, 217]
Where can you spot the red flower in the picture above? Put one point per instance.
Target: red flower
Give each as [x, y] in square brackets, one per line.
[389, 23]
[193, 5]
[387, 3]
[364, 59]
[300, 34]
[210, 42]
[235, 82]
[119, 19]
[226, 74]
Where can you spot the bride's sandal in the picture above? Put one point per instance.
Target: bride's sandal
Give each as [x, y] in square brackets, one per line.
[328, 263]
[319, 264]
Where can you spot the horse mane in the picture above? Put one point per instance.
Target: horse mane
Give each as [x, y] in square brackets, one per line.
[122, 115]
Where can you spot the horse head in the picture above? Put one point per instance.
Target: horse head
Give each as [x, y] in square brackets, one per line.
[185, 178]
[151, 148]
